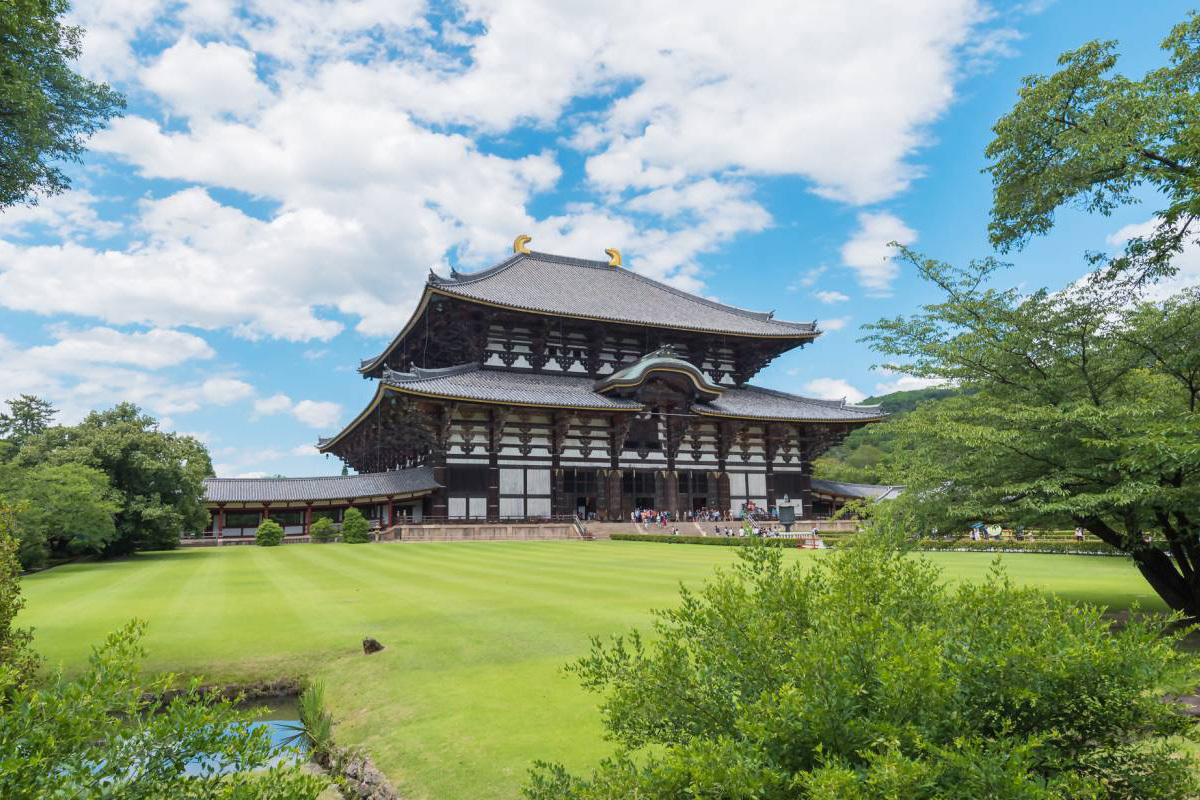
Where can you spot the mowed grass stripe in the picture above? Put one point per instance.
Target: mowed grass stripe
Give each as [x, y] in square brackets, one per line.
[470, 688]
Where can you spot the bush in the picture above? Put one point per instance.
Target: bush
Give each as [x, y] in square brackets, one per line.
[269, 534]
[355, 529]
[719, 541]
[866, 676]
[322, 530]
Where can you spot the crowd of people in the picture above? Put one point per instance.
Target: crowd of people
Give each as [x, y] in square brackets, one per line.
[650, 516]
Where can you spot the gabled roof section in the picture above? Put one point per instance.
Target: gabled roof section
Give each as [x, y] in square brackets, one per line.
[576, 287]
[665, 359]
[418, 480]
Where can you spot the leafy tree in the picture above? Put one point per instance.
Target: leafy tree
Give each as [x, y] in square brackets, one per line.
[157, 477]
[47, 110]
[355, 528]
[98, 735]
[1075, 413]
[68, 510]
[269, 534]
[322, 530]
[866, 677]
[27, 416]
[1093, 138]
[18, 663]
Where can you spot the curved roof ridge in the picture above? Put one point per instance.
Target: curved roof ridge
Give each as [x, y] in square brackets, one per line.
[423, 373]
[472, 277]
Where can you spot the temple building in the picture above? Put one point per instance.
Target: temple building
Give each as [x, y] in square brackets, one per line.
[550, 386]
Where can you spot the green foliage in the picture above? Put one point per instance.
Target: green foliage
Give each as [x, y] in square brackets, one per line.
[322, 530]
[867, 677]
[98, 736]
[18, 663]
[27, 416]
[316, 722]
[1073, 415]
[47, 110]
[67, 510]
[355, 528]
[156, 477]
[269, 534]
[867, 454]
[1089, 137]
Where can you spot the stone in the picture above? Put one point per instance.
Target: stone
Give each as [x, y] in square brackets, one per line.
[371, 645]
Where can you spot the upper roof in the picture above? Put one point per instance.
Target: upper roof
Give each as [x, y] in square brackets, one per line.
[339, 487]
[862, 490]
[577, 287]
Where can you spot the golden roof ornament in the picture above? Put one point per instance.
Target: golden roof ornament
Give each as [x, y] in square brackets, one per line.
[521, 244]
[614, 257]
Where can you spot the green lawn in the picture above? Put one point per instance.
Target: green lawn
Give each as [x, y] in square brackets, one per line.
[469, 690]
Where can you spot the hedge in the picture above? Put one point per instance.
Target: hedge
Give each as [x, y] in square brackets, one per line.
[726, 541]
[1089, 548]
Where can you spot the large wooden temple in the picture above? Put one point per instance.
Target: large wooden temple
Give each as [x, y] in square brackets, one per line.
[549, 385]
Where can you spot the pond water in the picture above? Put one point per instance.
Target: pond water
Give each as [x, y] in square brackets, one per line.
[281, 717]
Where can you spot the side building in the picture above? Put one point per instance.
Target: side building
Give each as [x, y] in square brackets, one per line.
[549, 385]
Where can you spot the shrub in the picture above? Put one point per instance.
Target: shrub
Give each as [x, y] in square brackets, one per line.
[355, 529]
[866, 676]
[719, 541]
[322, 530]
[269, 534]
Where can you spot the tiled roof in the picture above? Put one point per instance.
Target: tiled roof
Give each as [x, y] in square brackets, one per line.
[340, 487]
[471, 382]
[863, 490]
[757, 403]
[577, 287]
[663, 359]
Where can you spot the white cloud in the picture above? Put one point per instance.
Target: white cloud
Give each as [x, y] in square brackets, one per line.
[274, 404]
[201, 80]
[152, 349]
[831, 297]
[868, 254]
[1187, 262]
[305, 450]
[317, 414]
[833, 389]
[833, 324]
[225, 391]
[906, 383]
[356, 130]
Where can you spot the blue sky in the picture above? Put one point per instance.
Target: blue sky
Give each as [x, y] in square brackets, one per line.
[289, 170]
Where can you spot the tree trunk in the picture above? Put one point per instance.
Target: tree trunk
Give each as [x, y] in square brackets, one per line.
[1164, 577]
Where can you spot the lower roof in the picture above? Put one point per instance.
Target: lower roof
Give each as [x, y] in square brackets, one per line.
[471, 382]
[418, 480]
[865, 491]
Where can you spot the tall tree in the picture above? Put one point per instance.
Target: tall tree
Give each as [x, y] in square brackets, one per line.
[1080, 405]
[156, 477]
[47, 110]
[27, 415]
[68, 509]
[1094, 138]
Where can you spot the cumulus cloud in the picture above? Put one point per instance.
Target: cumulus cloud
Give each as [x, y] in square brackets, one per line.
[365, 129]
[867, 250]
[152, 349]
[833, 389]
[831, 297]
[906, 383]
[314, 413]
[833, 323]
[1187, 262]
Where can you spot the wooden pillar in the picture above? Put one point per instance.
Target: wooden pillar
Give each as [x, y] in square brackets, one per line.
[616, 496]
[722, 489]
[671, 492]
[220, 522]
[438, 462]
[806, 455]
[307, 518]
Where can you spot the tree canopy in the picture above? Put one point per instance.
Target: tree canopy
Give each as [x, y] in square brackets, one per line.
[864, 677]
[156, 477]
[1090, 137]
[66, 509]
[1084, 405]
[27, 416]
[47, 110]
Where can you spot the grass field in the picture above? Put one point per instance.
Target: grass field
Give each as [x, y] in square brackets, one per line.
[469, 690]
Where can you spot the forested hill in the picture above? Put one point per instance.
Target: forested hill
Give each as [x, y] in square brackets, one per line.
[862, 457]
